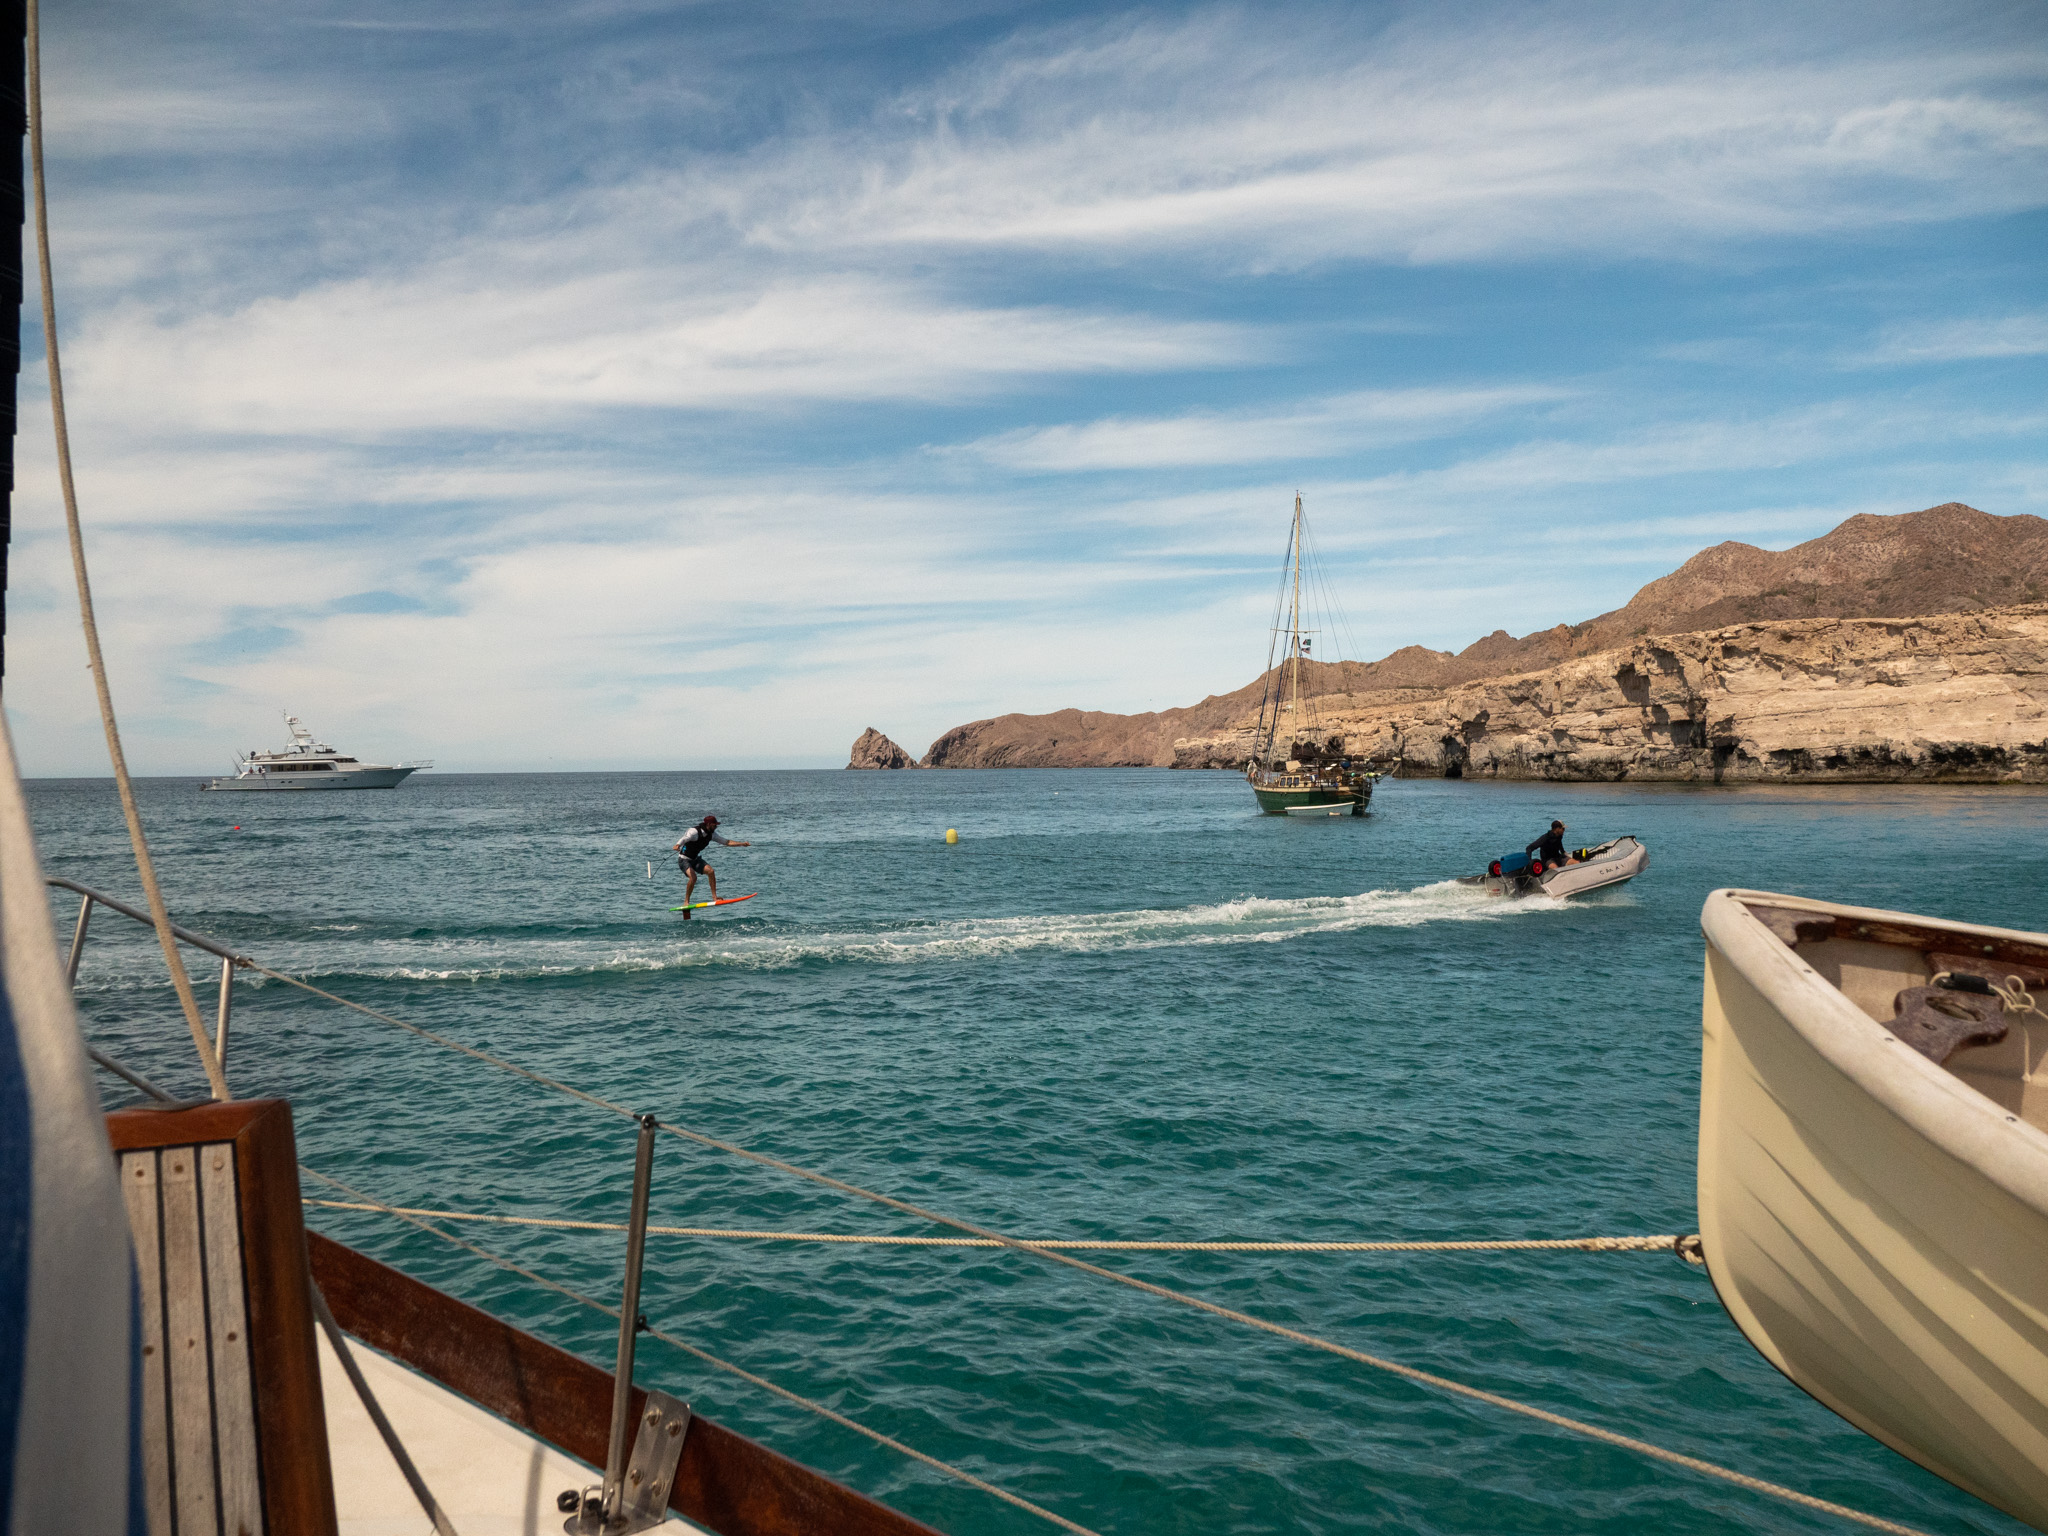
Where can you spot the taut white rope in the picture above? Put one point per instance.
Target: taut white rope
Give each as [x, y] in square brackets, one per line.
[158, 912]
[1664, 1244]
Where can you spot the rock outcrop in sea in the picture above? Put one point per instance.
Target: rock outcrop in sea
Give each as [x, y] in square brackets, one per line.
[1721, 662]
[874, 750]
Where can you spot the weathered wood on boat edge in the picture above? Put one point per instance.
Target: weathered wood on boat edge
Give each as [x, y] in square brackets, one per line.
[726, 1482]
[291, 1418]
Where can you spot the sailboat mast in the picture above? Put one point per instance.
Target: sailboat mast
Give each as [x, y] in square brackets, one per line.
[1294, 627]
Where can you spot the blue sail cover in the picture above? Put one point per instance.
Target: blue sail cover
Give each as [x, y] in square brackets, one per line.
[70, 1422]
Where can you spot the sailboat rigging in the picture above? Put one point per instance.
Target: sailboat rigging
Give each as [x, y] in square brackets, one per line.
[1297, 767]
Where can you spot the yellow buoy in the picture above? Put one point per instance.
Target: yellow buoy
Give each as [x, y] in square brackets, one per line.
[952, 836]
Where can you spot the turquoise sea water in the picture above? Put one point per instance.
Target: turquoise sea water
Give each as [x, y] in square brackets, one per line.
[1124, 1005]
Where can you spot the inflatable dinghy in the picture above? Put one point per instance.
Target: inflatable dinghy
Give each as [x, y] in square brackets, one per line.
[1588, 869]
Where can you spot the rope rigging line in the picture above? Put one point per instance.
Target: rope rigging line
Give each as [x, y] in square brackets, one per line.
[159, 913]
[2012, 993]
[1164, 1293]
[364, 1202]
[1664, 1244]
[1312, 1341]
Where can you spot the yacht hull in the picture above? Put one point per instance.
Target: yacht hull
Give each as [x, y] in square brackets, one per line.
[1876, 1223]
[362, 778]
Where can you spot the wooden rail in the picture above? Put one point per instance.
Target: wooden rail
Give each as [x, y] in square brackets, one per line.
[726, 1483]
[234, 1430]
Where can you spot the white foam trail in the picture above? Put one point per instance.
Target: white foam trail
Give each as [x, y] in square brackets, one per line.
[1248, 920]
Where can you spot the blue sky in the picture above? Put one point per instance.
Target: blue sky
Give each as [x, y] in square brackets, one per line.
[612, 385]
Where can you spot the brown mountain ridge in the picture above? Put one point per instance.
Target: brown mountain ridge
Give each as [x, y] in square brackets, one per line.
[1947, 559]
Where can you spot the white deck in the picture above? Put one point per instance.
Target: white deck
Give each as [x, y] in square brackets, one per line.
[492, 1479]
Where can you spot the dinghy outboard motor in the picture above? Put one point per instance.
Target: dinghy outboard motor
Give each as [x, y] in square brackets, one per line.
[1517, 871]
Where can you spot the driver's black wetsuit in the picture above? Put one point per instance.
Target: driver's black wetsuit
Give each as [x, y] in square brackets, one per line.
[1549, 848]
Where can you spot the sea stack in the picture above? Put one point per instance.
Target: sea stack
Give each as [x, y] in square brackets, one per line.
[874, 750]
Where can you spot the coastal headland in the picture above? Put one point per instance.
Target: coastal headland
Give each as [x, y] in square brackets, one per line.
[1906, 648]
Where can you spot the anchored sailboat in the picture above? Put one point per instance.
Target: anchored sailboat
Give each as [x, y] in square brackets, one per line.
[1297, 767]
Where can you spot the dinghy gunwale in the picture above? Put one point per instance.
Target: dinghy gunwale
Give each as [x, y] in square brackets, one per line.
[1948, 1112]
[1871, 1222]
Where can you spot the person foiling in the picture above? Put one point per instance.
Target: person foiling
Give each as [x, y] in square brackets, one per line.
[690, 851]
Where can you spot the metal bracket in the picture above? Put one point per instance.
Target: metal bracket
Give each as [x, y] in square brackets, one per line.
[651, 1472]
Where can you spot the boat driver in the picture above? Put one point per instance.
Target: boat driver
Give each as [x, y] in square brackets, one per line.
[1549, 847]
[690, 851]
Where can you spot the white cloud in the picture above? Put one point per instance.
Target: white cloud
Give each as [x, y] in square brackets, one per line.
[820, 265]
[1223, 137]
[463, 347]
[1707, 446]
[1948, 341]
[756, 619]
[1304, 431]
[98, 115]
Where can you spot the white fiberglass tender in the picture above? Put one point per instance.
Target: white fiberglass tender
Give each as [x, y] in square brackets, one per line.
[1587, 869]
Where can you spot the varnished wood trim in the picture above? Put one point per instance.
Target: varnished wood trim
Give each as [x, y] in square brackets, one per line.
[139, 1191]
[727, 1482]
[298, 1480]
[227, 1295]
[194, 1496]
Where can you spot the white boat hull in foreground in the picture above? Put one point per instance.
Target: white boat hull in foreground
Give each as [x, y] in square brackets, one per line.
[1875, 1219]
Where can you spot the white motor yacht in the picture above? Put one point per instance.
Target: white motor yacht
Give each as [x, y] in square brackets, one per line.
[310, 764]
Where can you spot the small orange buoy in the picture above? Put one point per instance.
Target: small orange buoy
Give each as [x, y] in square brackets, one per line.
[952, 835]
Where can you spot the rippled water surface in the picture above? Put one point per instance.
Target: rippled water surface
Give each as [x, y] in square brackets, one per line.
[1123, 1005]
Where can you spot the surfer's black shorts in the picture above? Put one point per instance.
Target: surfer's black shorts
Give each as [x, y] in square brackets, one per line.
[688, 862]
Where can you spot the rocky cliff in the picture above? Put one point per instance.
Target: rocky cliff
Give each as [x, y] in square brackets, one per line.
[874, 750]
[1949, 559]
[1955, 697]
[1946, 559]
[1086, 738]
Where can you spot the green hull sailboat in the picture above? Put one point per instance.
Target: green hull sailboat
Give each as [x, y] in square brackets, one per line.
[1297, 768]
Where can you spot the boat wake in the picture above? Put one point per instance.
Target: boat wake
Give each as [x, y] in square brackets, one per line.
[770, 946]
[332, 953]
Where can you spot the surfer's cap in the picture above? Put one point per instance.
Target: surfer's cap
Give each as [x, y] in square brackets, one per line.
[1557, 826]
[710, 821]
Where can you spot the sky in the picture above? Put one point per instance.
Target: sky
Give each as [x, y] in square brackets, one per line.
[607, 385]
